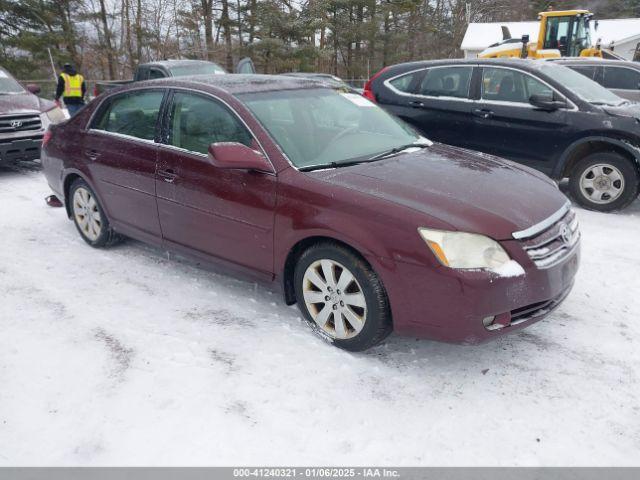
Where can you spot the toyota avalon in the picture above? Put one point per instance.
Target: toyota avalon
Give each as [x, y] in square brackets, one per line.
[365, 224]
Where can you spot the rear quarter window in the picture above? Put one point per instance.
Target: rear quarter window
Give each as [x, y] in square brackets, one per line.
[405, 83]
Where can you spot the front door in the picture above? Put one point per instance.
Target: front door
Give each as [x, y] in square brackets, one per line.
[225, 214]
[121, 156]
[507, 125]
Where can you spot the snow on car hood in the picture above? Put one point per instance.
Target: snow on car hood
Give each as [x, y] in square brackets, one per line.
[470, 191]
[21, 103]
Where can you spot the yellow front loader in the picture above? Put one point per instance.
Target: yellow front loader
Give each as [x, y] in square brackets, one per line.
[563, 33]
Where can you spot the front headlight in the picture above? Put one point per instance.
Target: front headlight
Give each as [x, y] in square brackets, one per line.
[465, 250]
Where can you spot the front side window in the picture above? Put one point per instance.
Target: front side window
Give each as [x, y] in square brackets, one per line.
[134, 114]
[506, 85]
[196, 121]
[446, 82]
[622, 78]
[322, 126]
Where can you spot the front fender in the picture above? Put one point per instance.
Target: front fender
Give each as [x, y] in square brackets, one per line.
[621, 143]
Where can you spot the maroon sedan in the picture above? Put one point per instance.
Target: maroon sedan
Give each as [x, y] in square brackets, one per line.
[364, 223]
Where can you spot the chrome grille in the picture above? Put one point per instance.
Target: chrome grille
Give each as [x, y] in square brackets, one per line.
[20, 123]
[552, 245]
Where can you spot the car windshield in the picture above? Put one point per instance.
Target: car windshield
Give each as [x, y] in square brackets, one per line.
[204, 68]
[582, 86]
[322, 126]
[8, 85]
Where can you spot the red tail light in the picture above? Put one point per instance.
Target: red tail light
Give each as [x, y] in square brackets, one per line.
[46, 137]
[368, 93]
[95, 91]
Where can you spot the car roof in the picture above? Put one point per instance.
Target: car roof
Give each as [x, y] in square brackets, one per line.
[524, 63]
[240, 83]
[594, 61]
[173, 63]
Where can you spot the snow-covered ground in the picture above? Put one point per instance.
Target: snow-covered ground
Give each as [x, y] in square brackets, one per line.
[129, 357]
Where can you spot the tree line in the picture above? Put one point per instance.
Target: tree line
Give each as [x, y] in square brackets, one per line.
[106, 39]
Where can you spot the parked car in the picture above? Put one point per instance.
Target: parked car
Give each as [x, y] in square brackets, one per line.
[620, 77]
[163, 69]
[363, 222]
[24, 117]
[537, 113]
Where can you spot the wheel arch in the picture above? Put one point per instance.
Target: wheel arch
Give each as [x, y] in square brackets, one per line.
[70, 177]
[297, 250]
[593, 144]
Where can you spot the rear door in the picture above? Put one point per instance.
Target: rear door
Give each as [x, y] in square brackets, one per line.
[622, 81]
[221, 213]
[121, 153]
[436, 101]
[507, 125]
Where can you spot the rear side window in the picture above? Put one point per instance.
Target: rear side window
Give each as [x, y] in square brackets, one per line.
[622, 78]
[134, 114]
[587, 71]
[156, 73]
[506, 85]
[196, 122]
[446, 82]
[404, 82]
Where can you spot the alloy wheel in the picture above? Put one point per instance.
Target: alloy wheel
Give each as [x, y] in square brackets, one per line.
[334, 299]
[86, 213]
[601, 183]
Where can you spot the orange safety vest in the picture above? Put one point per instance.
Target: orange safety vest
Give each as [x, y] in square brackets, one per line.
[72, 85]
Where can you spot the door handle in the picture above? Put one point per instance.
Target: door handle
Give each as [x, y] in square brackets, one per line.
[416, 104]
[482, 112]
[167, 175]
[92, 154]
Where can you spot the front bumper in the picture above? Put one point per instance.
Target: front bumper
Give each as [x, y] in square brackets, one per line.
[450, 305]
[15, 149]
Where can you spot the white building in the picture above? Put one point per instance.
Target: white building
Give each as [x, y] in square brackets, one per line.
[621, 34]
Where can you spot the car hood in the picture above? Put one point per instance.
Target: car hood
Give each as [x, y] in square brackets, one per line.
[26, 102]
[631, 110]
[469, 191]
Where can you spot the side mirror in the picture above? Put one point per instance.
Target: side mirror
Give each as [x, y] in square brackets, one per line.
[233, 155]
[33, 88]
[546, 102]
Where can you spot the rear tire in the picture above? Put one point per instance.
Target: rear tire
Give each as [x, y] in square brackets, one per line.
[89, 217]
[604, 181]
[342, 297]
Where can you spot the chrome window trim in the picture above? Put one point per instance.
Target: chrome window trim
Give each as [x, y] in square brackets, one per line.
[387, 83]
[122, 136]
[574, 107]
[544, 224]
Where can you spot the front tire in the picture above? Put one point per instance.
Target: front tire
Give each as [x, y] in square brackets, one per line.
[89, 217]
[604, 181]
[341, 295]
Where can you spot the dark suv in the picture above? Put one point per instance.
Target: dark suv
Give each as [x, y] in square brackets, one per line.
[537, 113]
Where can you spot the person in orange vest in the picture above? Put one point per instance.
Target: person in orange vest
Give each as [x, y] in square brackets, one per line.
[71, 88]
